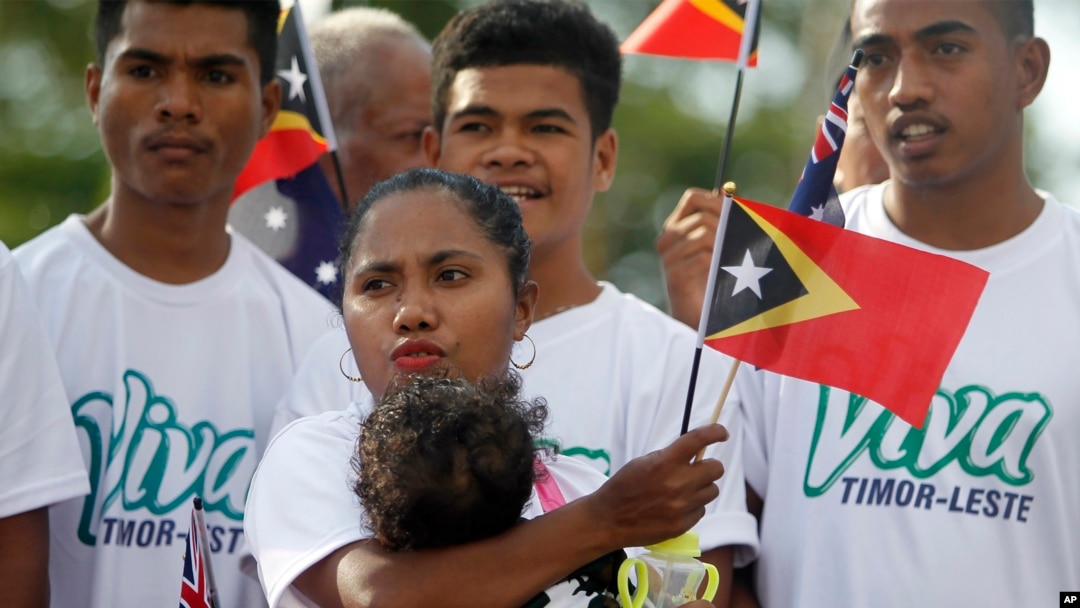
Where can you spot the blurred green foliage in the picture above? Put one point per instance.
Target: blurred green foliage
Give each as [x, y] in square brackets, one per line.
[50, 161]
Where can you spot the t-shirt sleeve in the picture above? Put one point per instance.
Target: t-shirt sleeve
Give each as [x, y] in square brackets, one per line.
[301, 506]
[40, 459]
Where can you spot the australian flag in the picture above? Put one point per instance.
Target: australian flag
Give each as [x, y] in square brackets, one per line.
[816, 196]
[196, 588]
[283, 202]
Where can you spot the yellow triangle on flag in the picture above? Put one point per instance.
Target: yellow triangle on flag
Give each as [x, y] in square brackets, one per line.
[720, 12]
[824, 296]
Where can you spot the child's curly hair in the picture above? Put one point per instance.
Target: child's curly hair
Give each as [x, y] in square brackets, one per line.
[442, 461]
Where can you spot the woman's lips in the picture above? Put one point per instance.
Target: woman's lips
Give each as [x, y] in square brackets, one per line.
[416, 363]
[416, 356]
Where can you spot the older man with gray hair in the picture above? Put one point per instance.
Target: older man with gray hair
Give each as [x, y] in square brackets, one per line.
[376, 68]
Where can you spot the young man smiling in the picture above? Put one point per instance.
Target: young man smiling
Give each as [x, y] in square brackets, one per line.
[174, 337]
[978, 508]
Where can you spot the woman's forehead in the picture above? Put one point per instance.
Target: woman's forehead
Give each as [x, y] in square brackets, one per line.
[420, 220]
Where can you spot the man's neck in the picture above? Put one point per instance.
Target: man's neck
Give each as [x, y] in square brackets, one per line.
[965, 214]
[564, 280]
[170, 243]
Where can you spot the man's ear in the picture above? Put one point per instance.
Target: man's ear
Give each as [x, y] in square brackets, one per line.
[271, 103]
[605, 157]
[431, 142]
[93, 89]
[1032, 63]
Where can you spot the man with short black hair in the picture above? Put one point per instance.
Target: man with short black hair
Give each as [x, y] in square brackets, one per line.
[978, 507]
[174, 337]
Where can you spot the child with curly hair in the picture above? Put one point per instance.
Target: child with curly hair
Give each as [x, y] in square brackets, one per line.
[442, 461]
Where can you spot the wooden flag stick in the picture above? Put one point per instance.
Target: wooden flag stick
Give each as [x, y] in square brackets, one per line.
[730, 380]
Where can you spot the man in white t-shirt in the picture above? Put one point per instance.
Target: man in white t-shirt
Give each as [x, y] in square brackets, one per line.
[174, 338]
[979, 507]
[524, 92]
[40, 461]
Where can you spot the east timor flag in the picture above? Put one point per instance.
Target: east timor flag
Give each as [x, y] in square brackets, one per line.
[694, 29]
[301, 131]
[810, 300]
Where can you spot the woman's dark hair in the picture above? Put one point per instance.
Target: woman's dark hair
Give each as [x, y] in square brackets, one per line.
[441, 461]
[558, 33]
[262, 19]
[497, 215]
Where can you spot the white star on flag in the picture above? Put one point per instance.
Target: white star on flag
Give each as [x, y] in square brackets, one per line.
[275, 218]
[747, 276]
[326, 273]
[296, 80]
[817, 213]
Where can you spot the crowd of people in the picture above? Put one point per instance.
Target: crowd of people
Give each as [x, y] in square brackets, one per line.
[478, 420]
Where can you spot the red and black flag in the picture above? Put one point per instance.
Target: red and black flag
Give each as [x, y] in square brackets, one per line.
[301, 132]
[813, 301]
[695, 29]
[283, 202]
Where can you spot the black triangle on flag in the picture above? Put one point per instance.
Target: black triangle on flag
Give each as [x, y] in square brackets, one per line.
[779, 286]
[298, 93]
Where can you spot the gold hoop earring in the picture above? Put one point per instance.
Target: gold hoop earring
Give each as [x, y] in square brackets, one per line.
[341, 366]
[529, 364]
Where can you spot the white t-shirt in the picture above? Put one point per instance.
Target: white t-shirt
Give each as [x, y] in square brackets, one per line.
[981, 507]
[302, 507]
[40, 463]
[614, 373]
[172, 390]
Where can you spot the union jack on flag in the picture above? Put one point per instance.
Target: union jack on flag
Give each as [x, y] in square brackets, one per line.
[815, 196]
[196, 587]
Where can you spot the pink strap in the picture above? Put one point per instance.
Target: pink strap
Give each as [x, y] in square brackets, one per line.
[551, 497]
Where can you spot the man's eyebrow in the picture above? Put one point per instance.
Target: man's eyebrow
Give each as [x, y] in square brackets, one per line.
[474, 110]
[933, 30]
[550, 113]
[214, 60]
[219, 59]
[942, 28]
[140, 54]
[871, 40]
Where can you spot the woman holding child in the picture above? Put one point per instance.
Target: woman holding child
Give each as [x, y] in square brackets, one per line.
[435, 269]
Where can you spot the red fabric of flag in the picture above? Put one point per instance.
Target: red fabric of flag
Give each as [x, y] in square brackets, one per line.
[813, 301]
[693, 29]
[300, 132]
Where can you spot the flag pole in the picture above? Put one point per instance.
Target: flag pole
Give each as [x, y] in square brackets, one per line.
[321, 107]
[204, 547]
[345, 203]
[721, 165]
[746, 43]
[750, 26]
[710, 288]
